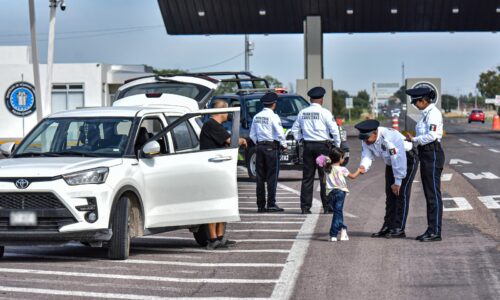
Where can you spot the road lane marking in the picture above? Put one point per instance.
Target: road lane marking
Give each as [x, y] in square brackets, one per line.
[270, 215]
[464, 141]
[491, 202]
[446, 177]
[286, 283]
[476, 144]
[482, 175]
[239, 241]
[268, 222]
[277, 198]
[494, 150]
[220, 251]
[262, 230]
[461, 203]
[154, 262]
[280, 202]
[137, 277]
[457, 161]
[103, 295]
[277, 193]
[287, 208]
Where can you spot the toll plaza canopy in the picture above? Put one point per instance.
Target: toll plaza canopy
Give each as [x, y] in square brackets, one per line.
[337, 16]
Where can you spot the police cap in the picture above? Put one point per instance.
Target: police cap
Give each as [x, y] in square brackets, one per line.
[269, 98]
[316, 92]
[421, 92]
[366, 128]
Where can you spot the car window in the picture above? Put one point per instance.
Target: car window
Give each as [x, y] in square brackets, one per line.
[78, 136]
[149, 127]
[286, 106]
[193, 91]
[184, 136]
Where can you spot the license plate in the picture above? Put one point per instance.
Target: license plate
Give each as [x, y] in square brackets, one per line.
[284, 158]
[23, 218]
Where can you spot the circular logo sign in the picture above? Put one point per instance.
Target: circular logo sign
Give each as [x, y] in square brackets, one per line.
[429, 85]
[20, 99]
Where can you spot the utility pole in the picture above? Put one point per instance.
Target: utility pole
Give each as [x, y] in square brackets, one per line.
[50, 51]
[34, 61]
[402, 74]
[249, 46]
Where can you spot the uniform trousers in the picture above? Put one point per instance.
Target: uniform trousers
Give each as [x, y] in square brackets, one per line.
[431, 166]
[311, 151]
[267, 165]
[396, 207]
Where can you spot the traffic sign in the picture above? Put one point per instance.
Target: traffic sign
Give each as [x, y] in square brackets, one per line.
[348, 103]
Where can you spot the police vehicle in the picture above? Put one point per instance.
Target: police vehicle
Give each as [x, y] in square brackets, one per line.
[102, 176]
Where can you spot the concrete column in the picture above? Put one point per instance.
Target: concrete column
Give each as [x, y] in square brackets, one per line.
[313, 61]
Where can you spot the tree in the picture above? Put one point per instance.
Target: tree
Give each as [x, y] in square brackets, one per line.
[169, 71]
[489, 83]
[449, 102]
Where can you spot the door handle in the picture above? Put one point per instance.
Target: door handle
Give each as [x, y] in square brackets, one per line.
[220, 158]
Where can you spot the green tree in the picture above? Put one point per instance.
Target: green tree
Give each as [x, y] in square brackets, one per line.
[449, 102]
[401, 94]
[362, 100]
[489, 83]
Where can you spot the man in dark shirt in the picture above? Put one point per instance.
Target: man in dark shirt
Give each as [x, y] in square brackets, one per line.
[213, 135]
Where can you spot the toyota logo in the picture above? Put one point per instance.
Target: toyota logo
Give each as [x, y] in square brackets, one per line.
[22, 184]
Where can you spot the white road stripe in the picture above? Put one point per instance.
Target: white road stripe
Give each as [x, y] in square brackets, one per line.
[268, 222]
[153, 262]
[220, 251]
[277, 197]
[475, 144]
[446, 177]
[277, 193]
[494, 150]
[464, 141]
[262, 230]
[102, 295]
[238, 241]
[279, 202]
[137, 277]
[272, 215]
[286, 283]
[254, 207]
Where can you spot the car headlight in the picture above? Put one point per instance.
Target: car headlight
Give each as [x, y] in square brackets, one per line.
[92, 176]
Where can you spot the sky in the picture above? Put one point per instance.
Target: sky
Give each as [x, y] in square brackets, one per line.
[132, 32]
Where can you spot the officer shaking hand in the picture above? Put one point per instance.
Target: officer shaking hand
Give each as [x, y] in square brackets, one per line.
[268, 134]
[429, 130]
[401, 165]
[318, 130]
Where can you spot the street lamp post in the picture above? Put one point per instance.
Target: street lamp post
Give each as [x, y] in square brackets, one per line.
[34, 61]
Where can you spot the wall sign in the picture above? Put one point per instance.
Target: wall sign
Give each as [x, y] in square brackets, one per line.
[20, 99]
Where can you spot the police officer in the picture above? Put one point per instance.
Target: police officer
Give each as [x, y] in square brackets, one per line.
[318, 130]
[267, 133]
[429, 131]
[401, 165]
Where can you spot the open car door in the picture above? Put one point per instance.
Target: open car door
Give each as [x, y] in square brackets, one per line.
[191, 187]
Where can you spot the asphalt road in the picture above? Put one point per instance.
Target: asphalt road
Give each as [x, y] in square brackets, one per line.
[286, 256]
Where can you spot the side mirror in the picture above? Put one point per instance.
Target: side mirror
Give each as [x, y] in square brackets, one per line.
[7, 148]
[150, 149]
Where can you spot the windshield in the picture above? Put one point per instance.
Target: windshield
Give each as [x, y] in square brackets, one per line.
[193, 91]
[93, 137]
[287, 106]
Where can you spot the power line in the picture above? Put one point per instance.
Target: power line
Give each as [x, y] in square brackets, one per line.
[219, 63]
[87, 31]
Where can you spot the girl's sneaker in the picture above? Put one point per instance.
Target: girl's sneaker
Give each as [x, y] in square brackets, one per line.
[343, 235]
[332, 239]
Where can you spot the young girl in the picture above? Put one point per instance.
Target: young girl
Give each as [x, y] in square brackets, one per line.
[336, 188]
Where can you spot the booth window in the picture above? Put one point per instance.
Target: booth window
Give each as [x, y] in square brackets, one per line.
[67, 96]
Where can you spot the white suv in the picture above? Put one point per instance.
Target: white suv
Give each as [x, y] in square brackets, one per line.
[102, 176]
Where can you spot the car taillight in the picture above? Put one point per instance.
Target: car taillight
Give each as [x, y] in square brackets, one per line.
[153, 95]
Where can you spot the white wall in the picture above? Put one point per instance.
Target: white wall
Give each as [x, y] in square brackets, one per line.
[93, 76]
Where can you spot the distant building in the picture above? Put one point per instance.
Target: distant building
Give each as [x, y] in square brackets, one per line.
[73, 85]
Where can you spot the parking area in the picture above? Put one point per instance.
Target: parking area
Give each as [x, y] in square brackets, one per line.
[267, 256]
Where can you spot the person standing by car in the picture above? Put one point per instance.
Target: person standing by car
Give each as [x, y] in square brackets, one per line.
[317, 128]
[267, 133]
[213, 135]
[429, 132]
[401, 165]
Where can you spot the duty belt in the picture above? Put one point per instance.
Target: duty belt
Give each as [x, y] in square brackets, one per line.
[318, 142]
[430, 147]
[268, 143]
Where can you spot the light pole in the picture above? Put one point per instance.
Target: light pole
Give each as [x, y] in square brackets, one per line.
[36, 66]
[249, 46]
[50, 51]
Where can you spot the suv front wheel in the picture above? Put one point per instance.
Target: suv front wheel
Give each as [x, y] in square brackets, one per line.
[119, 245]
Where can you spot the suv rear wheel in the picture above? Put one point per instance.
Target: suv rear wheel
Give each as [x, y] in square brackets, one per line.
[119, 245]
[2, 249]
[251, 163]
